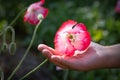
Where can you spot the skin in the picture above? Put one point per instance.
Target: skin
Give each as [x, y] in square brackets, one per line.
[96, 57]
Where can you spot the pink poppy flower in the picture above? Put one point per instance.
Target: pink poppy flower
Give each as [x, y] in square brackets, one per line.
[72, 38]
[117, 7]
[33, 11]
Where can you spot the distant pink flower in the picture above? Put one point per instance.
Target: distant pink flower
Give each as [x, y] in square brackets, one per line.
[117, 7]
[72, 38]
[33, 11]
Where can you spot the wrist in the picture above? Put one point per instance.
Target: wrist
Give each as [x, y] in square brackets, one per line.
[112, 56]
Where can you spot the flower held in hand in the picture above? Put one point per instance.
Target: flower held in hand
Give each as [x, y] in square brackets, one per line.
[72, 38]
[33, 11]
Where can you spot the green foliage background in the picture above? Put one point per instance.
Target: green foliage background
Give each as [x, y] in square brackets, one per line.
[98, 15]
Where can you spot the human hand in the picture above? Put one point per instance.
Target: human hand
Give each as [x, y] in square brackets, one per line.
[93, 58]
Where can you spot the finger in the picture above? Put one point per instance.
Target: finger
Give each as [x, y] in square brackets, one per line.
[69, 62]
[60, 60]
[48, 55]
[43, 46]
[62, 66]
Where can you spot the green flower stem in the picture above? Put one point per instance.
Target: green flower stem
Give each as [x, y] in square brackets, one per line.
[2, 32]
[35, 69]
[33, 37]
[4, 45]
[5, 32]
[1, 75]
[13, 33]
[66, 74]
[17, 16]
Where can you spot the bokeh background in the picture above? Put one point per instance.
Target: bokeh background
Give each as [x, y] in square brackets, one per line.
[99, 16]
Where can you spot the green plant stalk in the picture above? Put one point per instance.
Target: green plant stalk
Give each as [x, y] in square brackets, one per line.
[14, 19]
[35, 69]
[13, 33]
[17, 16]
[24, 56]
[66, 74]
[1, 74]
[4, 46]
[5, 33]
[4, 37]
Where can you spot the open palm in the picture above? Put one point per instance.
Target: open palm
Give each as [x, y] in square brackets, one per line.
[93, 58]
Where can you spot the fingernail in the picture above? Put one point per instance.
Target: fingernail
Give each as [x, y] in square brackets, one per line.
[40, 47]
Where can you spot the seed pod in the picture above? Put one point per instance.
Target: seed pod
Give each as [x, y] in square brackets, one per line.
[4, 47]
[12, 48]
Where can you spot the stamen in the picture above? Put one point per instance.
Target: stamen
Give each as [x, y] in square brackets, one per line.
[70, 36]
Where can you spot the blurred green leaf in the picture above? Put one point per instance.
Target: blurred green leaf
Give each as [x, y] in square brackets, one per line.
[3, 23]
[110, 24]
[90, 76]
[97, 35]
[117, 27]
